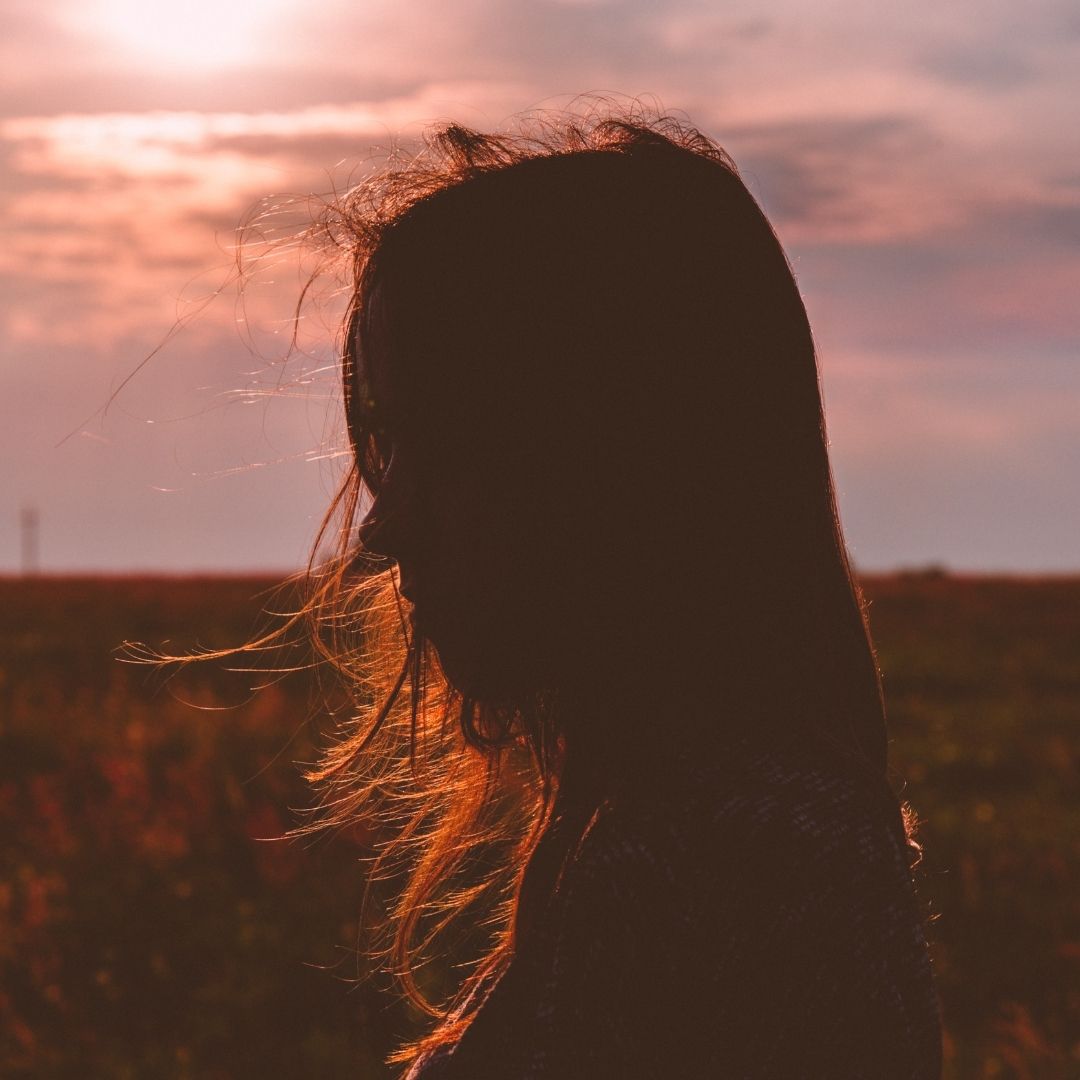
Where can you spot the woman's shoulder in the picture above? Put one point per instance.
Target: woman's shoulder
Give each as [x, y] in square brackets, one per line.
[749, 916]
[791, 802]
[777, 887]
[774, 844]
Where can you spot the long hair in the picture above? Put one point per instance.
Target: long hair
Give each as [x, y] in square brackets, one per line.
[593, 323]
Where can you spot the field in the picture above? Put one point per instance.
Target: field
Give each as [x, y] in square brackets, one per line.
[147, 929]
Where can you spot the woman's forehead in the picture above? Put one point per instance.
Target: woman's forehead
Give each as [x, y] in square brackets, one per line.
[370, 347]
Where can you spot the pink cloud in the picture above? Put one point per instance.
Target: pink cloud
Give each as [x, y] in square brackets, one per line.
[917, 167]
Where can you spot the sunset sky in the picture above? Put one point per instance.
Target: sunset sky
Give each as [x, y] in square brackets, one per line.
[921, 163]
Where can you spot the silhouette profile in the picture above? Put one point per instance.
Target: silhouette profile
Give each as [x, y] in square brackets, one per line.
[616, 693]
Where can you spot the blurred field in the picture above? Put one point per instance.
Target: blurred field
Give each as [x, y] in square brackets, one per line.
[145, 932]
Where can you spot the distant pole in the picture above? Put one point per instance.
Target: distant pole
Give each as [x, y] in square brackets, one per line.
[30, 521]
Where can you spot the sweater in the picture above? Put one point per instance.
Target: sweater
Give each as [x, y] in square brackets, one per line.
[753, 917]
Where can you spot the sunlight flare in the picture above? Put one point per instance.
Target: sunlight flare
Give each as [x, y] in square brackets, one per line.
[197, 35]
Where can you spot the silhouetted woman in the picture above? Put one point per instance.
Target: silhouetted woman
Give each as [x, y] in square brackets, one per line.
[617, 696]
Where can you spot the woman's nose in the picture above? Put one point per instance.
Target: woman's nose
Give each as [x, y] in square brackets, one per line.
[389, 526]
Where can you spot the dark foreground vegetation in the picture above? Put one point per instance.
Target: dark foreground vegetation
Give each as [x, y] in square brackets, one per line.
[147, 931]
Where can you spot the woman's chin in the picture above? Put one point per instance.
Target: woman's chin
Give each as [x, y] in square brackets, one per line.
[461, 670]
[468, 669]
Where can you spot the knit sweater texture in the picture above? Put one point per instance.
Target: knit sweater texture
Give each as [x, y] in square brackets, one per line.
[749, 918]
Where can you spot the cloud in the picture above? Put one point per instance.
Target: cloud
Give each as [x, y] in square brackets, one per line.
[994, 66]
[920, 168]
[829, 178]
[217, 482]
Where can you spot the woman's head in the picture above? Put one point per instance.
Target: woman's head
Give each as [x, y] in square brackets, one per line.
[586, 425]
[583, 390]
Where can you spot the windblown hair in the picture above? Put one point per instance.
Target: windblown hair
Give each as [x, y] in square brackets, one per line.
[682, 389]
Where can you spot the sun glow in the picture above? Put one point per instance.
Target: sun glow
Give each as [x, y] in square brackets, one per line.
[185, 35]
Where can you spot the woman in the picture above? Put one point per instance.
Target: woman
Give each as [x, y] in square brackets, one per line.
[624, 712]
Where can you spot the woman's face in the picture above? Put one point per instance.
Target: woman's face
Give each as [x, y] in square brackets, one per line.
[437, 525]
[442, 520]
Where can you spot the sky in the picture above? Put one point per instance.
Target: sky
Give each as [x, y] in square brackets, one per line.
[920, 162]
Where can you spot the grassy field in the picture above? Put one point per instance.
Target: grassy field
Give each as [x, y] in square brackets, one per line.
[147, 931]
